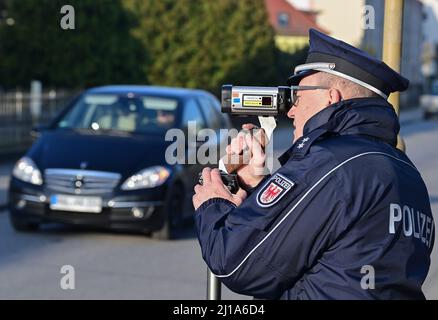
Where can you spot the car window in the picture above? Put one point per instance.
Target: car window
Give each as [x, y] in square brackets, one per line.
[213, 117]
[140, 114]
[224, 118]
[192, 112]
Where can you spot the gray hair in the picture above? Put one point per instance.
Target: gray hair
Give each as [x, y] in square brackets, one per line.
[348, 88]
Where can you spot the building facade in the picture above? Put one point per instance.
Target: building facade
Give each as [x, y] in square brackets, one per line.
[430, 45]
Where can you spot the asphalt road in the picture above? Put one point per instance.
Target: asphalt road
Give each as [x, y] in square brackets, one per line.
[128, 266]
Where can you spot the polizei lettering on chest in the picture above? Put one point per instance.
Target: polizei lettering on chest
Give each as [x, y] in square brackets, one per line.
[414, 223]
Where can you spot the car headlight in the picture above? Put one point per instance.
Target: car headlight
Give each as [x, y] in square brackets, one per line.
[26, 170]
[147, 178]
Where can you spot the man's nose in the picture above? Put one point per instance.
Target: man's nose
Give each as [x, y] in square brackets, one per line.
[291, 112]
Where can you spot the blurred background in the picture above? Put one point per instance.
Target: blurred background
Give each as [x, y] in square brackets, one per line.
[45, 66]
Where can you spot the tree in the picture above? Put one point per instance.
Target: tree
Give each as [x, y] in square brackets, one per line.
[286, 62]
[99, 50]
[206, 43]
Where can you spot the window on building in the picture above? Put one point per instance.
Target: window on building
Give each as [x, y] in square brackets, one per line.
[283, 19]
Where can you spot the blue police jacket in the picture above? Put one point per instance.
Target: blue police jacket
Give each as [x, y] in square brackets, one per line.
[347, 216]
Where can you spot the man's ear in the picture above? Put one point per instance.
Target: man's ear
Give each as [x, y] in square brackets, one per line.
[335, 95]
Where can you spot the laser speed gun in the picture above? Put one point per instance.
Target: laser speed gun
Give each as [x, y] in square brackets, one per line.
[255, 101]
[264, 102]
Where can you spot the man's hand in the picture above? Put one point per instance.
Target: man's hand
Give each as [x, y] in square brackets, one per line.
[213, 187]
[252, 173]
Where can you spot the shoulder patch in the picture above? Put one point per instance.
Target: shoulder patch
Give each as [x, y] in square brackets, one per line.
[274, 190]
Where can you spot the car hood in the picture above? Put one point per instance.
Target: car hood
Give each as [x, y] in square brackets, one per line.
[113, 152]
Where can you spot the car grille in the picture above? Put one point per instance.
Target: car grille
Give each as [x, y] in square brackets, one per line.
[80, 181]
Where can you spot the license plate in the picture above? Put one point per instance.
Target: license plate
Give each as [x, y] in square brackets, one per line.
[76, 203]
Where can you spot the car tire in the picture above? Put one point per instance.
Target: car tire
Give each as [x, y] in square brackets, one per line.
[22, 225]
[173, 221]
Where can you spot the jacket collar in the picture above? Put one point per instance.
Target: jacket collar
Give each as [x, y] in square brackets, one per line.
[372, 117]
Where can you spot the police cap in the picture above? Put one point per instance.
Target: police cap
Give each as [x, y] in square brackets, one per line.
[330, 55]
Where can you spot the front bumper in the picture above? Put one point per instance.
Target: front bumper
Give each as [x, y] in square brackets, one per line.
[137, 210]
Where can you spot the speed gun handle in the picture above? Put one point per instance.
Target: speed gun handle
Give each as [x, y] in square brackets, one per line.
[234, 162]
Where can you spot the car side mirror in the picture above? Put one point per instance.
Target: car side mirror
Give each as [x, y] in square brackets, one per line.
[36, 131]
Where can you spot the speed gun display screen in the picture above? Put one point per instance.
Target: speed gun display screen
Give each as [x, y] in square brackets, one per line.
[263, 101]
[255, 101]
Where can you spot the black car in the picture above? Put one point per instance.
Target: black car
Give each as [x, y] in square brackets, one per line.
[102, 162]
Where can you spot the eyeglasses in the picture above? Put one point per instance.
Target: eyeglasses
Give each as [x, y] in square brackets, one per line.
[295, 89]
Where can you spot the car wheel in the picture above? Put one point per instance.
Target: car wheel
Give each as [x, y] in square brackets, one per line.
[22, 225]
[173, 217]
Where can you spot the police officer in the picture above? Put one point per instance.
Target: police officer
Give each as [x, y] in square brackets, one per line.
[347, 216]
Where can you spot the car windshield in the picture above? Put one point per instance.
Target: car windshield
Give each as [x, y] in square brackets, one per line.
[106, 112]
